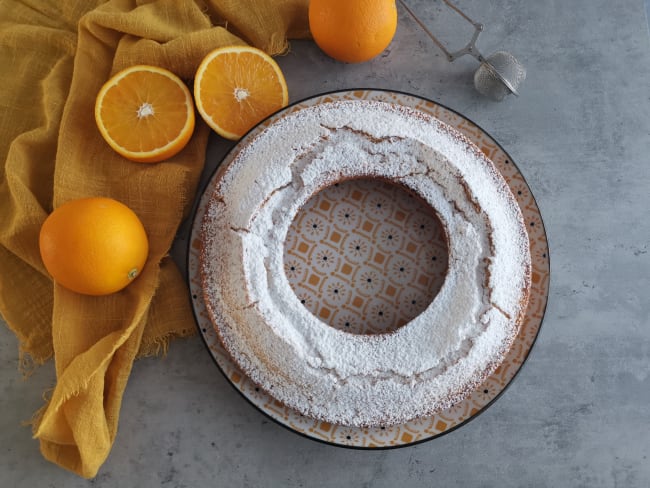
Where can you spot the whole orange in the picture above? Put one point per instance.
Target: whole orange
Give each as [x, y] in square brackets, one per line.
[352, 30]
[94, 246]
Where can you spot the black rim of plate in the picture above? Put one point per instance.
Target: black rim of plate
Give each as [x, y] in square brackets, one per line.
[193, 298]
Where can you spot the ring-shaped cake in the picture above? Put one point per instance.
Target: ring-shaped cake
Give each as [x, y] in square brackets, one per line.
[425, 366]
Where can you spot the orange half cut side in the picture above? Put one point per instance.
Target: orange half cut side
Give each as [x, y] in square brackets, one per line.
[236, 87]
[145, 113]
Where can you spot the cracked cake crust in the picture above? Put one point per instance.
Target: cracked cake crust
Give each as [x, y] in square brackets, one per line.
[425, 366]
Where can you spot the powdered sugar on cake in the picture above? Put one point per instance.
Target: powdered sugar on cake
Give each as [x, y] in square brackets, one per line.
[425, 366]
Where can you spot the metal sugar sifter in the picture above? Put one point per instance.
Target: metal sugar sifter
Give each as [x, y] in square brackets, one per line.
[498, 75]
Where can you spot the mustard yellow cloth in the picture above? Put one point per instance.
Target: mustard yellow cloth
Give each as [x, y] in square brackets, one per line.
[54, 56]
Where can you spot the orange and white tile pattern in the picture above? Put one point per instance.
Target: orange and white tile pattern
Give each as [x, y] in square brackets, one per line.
[366, 256]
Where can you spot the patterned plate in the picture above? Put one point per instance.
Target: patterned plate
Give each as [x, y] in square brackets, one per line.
[332, 293]
[366, 256]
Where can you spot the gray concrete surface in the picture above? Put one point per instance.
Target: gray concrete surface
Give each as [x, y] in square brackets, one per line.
[578, 415]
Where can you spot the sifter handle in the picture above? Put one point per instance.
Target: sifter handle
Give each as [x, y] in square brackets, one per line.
[470, 48]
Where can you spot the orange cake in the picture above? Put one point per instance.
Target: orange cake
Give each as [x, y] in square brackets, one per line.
[433, 361]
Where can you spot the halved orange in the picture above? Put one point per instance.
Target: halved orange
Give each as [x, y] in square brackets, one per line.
[145, 113]
[236, 87]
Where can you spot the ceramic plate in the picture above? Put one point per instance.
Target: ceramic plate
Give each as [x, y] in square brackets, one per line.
[365, 256]
[365, 248]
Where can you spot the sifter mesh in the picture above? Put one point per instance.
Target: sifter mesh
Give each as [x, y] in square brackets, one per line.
[499, 75]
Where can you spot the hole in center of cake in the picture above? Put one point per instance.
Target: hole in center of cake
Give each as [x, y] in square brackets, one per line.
[366, 256]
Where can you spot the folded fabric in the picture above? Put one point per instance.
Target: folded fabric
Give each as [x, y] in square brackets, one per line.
[55, 56]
